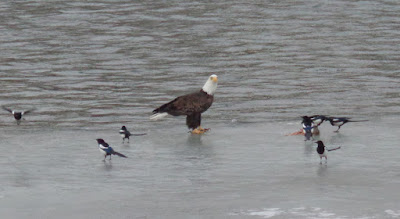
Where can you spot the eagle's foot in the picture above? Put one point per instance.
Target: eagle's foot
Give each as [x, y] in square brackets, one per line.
[199, 130]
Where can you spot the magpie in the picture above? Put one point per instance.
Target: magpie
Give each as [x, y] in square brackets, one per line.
[318, 119]
[308, 127]
[107, 149]
[310, 124]
[125, 134]
[339, 121]
[17, 115]
[321, 150]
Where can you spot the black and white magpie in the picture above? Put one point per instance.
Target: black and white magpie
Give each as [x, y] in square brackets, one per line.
[339, 121]
[318, 119]
[17, 115]
[106, 149]
[321, 150]
[125, 134]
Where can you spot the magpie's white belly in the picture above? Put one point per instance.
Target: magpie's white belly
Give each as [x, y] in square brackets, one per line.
[103, 152]
[317, 121]
[338, 123]
[323, 155]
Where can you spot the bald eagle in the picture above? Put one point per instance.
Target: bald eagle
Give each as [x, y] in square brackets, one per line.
[192, 105]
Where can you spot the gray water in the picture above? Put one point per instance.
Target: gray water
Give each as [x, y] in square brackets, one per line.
[89, 67]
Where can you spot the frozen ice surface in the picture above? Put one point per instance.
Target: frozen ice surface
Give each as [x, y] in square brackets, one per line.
[245, 170]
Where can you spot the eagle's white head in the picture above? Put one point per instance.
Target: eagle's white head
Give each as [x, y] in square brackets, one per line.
[211, 85]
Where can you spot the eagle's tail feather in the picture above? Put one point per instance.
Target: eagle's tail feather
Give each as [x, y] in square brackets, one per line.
[158, 116]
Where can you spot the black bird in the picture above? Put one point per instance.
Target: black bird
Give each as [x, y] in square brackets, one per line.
[318, 119]
[107, 149]
[17, 115]
[339, 121]
[125, 134]
[321, 150]
[308, 127]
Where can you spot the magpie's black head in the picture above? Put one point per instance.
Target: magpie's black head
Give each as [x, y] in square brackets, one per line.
[320, 143]
[123, 128]
[100, 141]
[306, 121]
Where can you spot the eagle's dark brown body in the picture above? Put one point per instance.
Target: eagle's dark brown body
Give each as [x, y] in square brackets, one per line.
[191, 105]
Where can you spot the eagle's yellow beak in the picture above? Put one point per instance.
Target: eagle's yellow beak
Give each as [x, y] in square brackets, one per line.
[214, 79]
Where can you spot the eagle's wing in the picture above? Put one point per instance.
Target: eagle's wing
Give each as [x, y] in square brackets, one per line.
[186, 105]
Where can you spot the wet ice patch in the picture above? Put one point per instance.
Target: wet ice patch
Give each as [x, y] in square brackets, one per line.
[299, 212]
[313, 213]
[267, 212]
[392, 213]
[264, 213]
[326, 214]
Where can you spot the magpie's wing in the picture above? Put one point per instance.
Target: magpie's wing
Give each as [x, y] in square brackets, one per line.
[104, 146]
[28, 111]
[338, 119]
[119, 154]
[7, 109]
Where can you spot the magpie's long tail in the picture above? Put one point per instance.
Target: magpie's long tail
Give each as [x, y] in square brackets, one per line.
[119, 154]
[334, 149]
[140, 134]
[358, 121]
